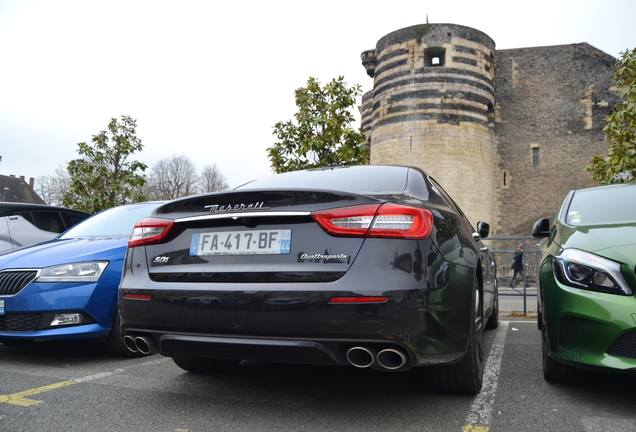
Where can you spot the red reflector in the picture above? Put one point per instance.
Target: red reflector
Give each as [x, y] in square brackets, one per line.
[137, 296]
[358, 299]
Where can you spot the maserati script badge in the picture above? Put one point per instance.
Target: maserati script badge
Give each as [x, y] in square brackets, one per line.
[215, 208]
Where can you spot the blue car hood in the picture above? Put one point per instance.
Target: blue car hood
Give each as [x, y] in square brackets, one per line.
[58, 251]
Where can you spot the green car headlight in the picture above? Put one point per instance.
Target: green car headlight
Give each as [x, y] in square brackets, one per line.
[584, 270]
[89, 271]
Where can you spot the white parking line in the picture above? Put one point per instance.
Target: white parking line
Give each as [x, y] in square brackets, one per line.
[116, 371]
[479, 416]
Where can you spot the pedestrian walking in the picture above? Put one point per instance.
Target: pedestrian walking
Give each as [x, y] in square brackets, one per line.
[517, 266]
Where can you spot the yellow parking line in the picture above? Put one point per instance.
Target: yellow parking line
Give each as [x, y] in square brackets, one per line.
[18, 398]
[476, 429]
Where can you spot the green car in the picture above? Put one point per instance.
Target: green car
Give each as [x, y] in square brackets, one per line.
[586, 283]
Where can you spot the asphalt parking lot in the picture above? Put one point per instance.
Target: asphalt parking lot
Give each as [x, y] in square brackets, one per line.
[76, 386]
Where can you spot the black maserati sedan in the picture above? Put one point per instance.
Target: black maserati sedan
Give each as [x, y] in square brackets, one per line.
[364, 266]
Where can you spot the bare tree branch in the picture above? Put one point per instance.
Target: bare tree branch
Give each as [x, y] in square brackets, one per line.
[171, 178]
[212, 180]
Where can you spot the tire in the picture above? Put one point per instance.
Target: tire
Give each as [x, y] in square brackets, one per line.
[115, 342]
[465, 377]
[206, 366]
[553, 371]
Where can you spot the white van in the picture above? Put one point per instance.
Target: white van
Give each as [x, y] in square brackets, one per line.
[24, 224]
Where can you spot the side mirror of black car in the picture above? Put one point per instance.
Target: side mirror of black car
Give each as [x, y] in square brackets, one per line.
[483, 229]
[541, 228]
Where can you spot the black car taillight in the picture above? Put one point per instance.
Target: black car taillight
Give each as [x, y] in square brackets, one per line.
[150, 231]
[377, 220]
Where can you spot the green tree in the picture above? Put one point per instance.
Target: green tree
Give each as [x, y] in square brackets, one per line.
[619, 165]
[104, 177]
[322, 134]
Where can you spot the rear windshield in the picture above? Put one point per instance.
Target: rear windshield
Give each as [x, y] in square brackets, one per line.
[352, 179]
[603, 206]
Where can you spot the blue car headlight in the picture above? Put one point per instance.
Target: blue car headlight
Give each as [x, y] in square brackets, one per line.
[88, 271]
[584, 270]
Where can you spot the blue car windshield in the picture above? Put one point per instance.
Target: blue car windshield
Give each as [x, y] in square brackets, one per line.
[114, 222]
[603, 206]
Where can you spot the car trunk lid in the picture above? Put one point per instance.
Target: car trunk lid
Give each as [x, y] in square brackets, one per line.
[254, 237]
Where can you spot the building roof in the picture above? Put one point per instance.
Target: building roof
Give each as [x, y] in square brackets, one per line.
[16, 189]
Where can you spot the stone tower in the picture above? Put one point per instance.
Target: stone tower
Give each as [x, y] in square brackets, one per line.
[432, 106]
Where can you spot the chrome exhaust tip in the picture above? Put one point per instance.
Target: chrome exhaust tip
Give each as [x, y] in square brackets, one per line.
[146, 345]
[361, 357]
[392, 358]
[129, 341]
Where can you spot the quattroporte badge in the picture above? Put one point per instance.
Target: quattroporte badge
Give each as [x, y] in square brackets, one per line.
[323, 256]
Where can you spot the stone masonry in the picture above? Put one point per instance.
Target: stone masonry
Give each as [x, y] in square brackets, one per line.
[551, 104]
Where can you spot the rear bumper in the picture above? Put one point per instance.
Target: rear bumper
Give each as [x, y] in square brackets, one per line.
[285, 350]
[430, 325]
[427, 314]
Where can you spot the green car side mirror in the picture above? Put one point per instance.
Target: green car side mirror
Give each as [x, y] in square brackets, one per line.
[541, 228]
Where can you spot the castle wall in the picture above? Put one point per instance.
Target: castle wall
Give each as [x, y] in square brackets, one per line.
[551, 104]
[432, 107]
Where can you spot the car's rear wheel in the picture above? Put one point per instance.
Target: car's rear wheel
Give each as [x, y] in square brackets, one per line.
[465, 377]
[115, 341]
[554, 371]
[208, 366]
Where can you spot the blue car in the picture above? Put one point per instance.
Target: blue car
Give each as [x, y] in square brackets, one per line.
[66, 288]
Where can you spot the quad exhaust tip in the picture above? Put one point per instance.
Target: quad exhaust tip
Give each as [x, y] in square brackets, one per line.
[386, 359]
[392, 358]
[361, 357]
[142, 344]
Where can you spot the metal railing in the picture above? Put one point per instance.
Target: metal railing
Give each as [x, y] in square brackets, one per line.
[504, 249]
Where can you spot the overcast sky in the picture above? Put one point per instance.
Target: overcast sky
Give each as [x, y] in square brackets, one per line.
[209, 79]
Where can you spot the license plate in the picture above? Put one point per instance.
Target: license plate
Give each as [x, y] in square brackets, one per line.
[262, 242]
[1, 307]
